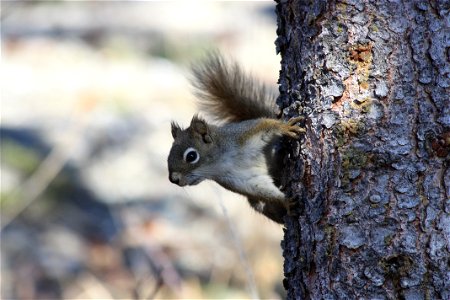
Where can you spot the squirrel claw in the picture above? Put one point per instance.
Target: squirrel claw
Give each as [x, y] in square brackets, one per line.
[294, 120]
[294, 131]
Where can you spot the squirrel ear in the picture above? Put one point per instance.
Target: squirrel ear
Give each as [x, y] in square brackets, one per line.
[200, 127]
[175, 129]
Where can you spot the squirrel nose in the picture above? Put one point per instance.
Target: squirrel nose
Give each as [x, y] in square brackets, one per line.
[174, 178]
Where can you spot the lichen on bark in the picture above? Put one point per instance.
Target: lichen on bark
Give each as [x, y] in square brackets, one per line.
[371, 178]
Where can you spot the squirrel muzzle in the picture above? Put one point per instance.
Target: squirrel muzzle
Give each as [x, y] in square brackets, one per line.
[175, 177]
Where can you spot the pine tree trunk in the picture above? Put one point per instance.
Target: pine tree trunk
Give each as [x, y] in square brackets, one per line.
[371, 179]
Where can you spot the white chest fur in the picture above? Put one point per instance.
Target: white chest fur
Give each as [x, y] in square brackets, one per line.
[246, 172]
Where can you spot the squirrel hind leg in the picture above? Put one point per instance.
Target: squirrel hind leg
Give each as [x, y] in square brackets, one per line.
[274, 210]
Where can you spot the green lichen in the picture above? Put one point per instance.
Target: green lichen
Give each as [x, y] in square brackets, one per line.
[346, 129]
[353, 126]
[364, 105]
[374, 28]
[352, 159]
[341, 6]
[340, 136]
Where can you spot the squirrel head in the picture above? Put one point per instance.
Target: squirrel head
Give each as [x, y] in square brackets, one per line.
[191, 151]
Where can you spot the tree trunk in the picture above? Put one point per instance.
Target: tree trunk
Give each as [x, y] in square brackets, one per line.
[371, 179]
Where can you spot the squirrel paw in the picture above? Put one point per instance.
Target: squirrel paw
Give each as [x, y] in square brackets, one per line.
[292, 130]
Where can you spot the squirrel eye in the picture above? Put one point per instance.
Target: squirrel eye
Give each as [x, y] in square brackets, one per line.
[191, 155]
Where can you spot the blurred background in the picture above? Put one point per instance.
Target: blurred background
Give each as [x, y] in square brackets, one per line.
[88, 90]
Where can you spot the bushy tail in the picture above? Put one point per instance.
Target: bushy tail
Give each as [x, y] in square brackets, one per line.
[227, 94]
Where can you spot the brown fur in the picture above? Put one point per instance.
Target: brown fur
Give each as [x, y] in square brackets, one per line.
[273, 126]
[227, 94]
[242, 154]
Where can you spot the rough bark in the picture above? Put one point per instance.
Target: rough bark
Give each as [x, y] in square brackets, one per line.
[371, 179]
